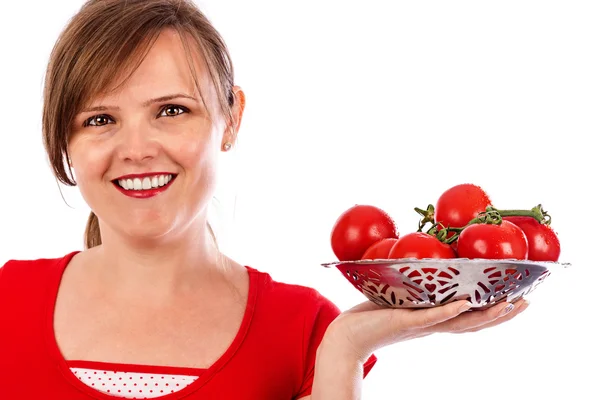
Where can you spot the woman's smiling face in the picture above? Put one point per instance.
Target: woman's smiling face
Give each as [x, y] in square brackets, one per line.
[153, 133]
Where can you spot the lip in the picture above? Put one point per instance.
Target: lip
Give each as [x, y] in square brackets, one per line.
[141, 176]
[143, 194]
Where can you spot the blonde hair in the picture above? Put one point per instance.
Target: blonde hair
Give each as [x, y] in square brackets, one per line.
[106, 38]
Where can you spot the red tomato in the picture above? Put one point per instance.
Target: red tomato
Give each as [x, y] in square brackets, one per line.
[358, 228]
[541, 238]
[492, 241]
[420, 245]
[454, 246]
[379, 250]
[459, 205]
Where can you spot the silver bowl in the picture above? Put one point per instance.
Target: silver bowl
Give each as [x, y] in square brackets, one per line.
[423, 283]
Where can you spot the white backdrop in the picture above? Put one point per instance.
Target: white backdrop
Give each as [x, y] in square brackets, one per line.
[386, 103]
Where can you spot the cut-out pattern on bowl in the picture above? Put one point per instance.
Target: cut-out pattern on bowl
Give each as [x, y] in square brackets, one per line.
[422, 283]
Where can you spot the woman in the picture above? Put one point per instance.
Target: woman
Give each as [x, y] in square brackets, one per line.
[139, 101]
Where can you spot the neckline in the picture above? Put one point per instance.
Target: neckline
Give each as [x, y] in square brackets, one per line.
[135, 368]
[208, 373]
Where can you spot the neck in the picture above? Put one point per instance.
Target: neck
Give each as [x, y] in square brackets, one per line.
[159, 270]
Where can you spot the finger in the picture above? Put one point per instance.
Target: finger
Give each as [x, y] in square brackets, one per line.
[520, 306]
[424, 318]
[518, 310]
[476, 318]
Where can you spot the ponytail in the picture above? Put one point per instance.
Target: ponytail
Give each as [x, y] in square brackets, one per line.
[212, 235]
[92, 232]
[93, 239]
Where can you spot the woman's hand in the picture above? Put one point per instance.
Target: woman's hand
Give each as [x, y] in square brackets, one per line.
[367, 327]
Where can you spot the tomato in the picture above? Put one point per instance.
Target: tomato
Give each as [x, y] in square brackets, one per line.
[459, 205]
[358, 228]
[420, 245]
[491, 241]
[380, 249]
[454, 246]
[541, 238]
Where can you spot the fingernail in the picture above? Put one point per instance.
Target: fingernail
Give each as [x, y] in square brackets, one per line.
[465, 307]
[509, 308]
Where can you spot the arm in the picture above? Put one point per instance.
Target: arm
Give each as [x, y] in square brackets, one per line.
[337, 375]
[317, 331]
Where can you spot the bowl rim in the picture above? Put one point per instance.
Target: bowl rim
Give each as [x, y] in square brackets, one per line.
[455, 261]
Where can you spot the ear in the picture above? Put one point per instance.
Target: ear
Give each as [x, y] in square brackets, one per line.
[239, 105]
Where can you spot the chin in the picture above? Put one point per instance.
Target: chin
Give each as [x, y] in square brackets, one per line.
[147, 228]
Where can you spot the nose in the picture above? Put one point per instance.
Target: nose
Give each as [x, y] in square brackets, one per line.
[137, 143]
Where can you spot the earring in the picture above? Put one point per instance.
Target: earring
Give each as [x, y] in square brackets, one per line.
[227, 146]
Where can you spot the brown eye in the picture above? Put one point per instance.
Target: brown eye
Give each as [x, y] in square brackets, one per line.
[97, 120]
[172, 111]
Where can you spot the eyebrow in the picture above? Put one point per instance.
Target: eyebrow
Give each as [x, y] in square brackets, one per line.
[145, 104]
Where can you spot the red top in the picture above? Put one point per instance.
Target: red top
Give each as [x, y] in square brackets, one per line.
[271, 357]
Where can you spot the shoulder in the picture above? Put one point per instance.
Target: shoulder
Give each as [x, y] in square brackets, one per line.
[38, 262]
[32, 268]
[24, 283]
[291, 293]
[292, 301]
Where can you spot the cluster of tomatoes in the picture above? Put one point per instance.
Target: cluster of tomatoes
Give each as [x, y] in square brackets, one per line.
[464, 224]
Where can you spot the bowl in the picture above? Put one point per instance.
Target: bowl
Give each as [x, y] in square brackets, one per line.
[424, 283]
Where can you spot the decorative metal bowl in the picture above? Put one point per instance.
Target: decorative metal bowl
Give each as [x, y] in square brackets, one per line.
[423, 283]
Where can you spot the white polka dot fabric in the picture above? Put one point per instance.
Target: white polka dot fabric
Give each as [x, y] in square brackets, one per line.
[132, 385]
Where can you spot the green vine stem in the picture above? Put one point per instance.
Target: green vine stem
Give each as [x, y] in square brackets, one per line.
[427, 216]
[536, 212]
[490, 216]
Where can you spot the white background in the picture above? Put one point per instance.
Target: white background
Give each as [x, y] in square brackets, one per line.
[386, 103]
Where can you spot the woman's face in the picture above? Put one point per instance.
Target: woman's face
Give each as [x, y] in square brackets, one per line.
[145, 156]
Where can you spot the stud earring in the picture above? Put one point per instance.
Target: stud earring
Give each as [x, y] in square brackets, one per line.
[227, 146]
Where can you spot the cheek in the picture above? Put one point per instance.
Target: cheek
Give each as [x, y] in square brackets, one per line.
[194, 149]
[90, 161]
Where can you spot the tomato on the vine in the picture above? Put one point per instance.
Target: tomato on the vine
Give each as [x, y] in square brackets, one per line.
[379, 250]
[493, 241]
[454, 246]
[420, 245]
[460, 204]
[541, 238]
[358, 228]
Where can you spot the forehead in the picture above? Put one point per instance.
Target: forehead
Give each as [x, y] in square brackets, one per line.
[165, 69]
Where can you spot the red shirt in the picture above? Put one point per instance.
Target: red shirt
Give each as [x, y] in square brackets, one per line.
[272, 356]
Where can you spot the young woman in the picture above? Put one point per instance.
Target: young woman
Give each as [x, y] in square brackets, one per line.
[139, 101]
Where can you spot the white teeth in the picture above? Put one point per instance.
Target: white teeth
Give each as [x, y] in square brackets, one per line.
[145, 183]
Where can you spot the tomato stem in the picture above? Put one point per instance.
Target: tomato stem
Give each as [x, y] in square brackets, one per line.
[536, 212]
[490, 216]
[428, 216]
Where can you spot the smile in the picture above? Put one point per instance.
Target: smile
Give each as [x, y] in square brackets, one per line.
[144, 186]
